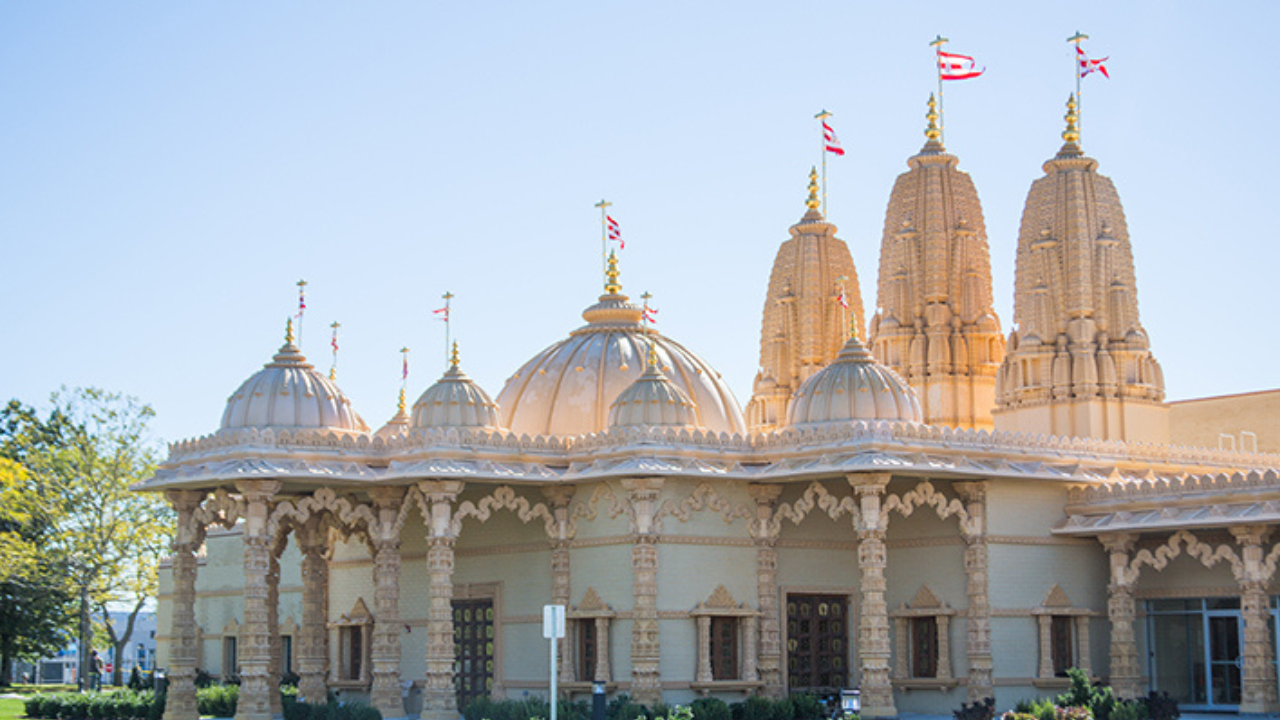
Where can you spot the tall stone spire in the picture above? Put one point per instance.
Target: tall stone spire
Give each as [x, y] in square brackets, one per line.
[935, 324]
[805, 324]
[1079, 361]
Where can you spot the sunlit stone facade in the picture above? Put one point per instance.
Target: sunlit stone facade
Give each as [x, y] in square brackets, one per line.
[842, 534]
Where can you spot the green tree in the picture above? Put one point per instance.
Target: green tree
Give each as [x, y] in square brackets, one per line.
[105, 536]
[34, 599]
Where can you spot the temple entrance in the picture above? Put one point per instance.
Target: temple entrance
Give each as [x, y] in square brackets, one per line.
[817, 643]
[1196, 651]
[473, 649]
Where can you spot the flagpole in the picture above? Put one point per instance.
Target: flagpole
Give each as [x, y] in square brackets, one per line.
[404, 372]
[821, 117]
[333, 369]
[302, 307]
[1076, 64]
[937, 44]
[604, 234]
[448, 298]
[841, 299]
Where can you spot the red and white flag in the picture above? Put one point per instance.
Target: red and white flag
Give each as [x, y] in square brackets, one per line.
[843, 299]
[404, 373]
[952, 66]
[442, 313]
[615, 232]
[832, 143]
[302, 299]
[649, 315]
[1088, 65]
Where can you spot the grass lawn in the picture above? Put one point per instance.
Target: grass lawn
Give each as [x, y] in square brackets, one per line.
[11, 709]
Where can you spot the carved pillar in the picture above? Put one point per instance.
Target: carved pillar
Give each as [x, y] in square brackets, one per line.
[1258, 675]
[561, 587]
[901, 647]
[184, 637]
[254, 648]
[602, 669]
[646, 685]
[704, 649]
[873, 622]
[1085, 661]
[1122, 609]
[944, 646]
[313, 635]
[439, 699]
[766, 539]
[1046, 645]
[274, 644]
[385, 650]
[750, 672]
[976, 565]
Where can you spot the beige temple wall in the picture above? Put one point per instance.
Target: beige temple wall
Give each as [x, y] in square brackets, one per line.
[1200, 421]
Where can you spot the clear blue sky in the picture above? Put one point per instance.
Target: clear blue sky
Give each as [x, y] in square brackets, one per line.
[168, 171]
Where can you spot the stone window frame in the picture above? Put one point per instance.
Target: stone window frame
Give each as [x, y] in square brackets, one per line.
[1056, 604]
[925, 604]
[592, 609]
[720, 604]
[229, 662]
[357, 620]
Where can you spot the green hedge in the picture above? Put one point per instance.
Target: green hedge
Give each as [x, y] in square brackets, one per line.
[118, 705]
[796, 707]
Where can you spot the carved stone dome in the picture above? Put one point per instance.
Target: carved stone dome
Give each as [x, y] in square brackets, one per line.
[289, 393]
[568, 388]
[854, 387]
[652, 401]
[455, 400]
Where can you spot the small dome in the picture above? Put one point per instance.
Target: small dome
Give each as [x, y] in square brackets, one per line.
[652, 401]
[398, 424]
[455, 400]
[288, 393]
[854, 387]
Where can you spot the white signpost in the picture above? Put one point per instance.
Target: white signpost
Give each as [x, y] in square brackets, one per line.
[553, 630]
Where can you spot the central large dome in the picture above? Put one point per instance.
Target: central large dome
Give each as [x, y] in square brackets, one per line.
[567, 389]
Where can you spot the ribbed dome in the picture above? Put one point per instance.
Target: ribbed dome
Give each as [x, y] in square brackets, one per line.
[567, 389]
[455, 400]
[652, 401]
[854, 387]
[288, 393]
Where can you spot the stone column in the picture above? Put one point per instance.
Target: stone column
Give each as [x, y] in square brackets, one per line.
[561, 588]
[313, 634]
[1126, 679]
[646, 683]
[254, 648]
[602, 669]
[769, 663]
[1046, 645]
[184, 636]
[1258, 675]
[439, 698]
[873, 621]
[387, 628]
[275, 645]
[976, 566]
[1085, 661]
[750, 671]
[704, 648]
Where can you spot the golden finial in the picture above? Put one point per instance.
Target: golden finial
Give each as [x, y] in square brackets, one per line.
[400, 404]
[653, 353]
[453, 356]
[812, 203]
[933, 132]
[611, 284]
[288, 331]
[853, 327]
[1072, 133]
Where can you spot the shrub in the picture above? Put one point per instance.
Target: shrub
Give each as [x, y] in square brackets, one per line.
[1160, 706]
[621, 708]
[120, 705]
[1129, 711]
[807, 707]
[218, 700]
[984, 709]
[757, 708]
[709, 708]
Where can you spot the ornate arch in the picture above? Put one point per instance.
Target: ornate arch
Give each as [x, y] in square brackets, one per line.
[815, 496]
[925, 495]
[1173, 547]
[703, 496]
[587, 509]
[504, 498]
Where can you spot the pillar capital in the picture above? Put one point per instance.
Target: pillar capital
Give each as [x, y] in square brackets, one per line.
[765, 495]
[441, 490]
[866, 484]
[559, 495]
[1250, 535]
[1118, 542]
[972, 492]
